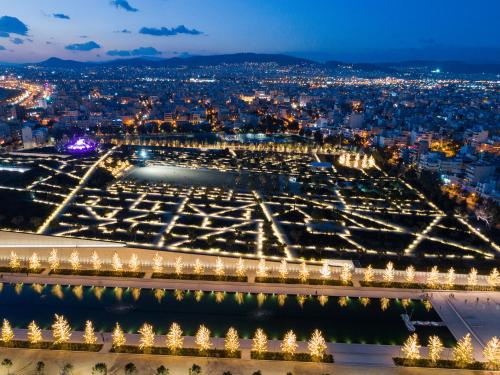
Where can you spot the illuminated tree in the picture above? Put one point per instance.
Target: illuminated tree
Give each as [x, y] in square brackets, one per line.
[198, 267]
[202, 338]
[472, 278]
[61, 330]
[346, 274]
[241, 270]
[261, 298]
[7, 332]
[34, 333]
[389, 273]
[238, 296]
[317, 345]
[54, 260]
[491, 353]
[289, 344]
[283, 269]
[262, 268]
[369, 274]
[325, 270]
[118, 337]
[494, 278]
[259, 341]
[303, 272]
[219, 267]
[178, 266]
[116, 262]
[74, 260]
[384, 303]
[34, 262]
[410, 274]
[96, 261]
[450, 278]
[435, 349]
[89, 336]
[411, 348]
[463, 352]
[147, 339]
[157, 263]
[174, 339]
[232, 341]
[433, 277]
[198, 294]
[133, 263]
[14, 262]
[364, 301]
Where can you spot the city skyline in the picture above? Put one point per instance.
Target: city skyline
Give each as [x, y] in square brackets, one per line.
[99, 30]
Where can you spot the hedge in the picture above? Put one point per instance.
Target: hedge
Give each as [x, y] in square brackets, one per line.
[300, 357]
[187, 352]
[279, 280]
[98, 273]
[442, 363]
[81, 347]
[191, 276]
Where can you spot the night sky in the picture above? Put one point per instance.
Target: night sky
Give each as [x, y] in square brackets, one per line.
[348, 30]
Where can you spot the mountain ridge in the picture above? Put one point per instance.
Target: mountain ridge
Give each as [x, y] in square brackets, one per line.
[449, 66]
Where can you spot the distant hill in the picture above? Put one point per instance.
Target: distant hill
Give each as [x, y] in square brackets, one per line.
[457, 67]
[191, 61]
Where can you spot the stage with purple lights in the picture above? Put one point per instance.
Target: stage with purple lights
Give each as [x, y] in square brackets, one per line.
[81, 145]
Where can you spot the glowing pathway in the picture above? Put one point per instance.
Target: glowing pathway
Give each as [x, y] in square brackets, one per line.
[71, 195]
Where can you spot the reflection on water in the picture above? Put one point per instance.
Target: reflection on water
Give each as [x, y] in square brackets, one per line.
[136, 293]
[340, 318]
[198, 295]
[159, 294]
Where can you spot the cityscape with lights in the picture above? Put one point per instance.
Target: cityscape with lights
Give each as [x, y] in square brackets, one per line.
[229, 213]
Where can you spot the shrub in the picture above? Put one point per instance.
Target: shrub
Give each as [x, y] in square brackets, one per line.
[162, 370]
[130, 369]
[195, 369]
[100, 369]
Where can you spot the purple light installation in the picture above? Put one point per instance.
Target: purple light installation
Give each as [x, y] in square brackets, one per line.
[81, 146]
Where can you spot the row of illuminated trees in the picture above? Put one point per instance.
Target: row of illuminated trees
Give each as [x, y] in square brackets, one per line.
[463, 351]
[174, 339]
[434, 278]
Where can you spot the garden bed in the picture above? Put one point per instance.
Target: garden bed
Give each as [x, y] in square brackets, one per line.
[300, 357]
[20, 270]
[79, 347]
[442, 363]
[186, 352]
[402, 285]
[137, 275]
[191, 276]
[279, 280]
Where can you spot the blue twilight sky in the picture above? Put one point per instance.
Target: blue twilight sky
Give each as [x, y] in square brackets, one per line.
[349, 30]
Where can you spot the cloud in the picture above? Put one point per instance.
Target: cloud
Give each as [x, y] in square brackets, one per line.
[12, 25]
[123, 31]
[17, 41]
[165, 31]
[2, 48]
[124, 5]
[61, 16]
[141, 51]
[89, 46]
